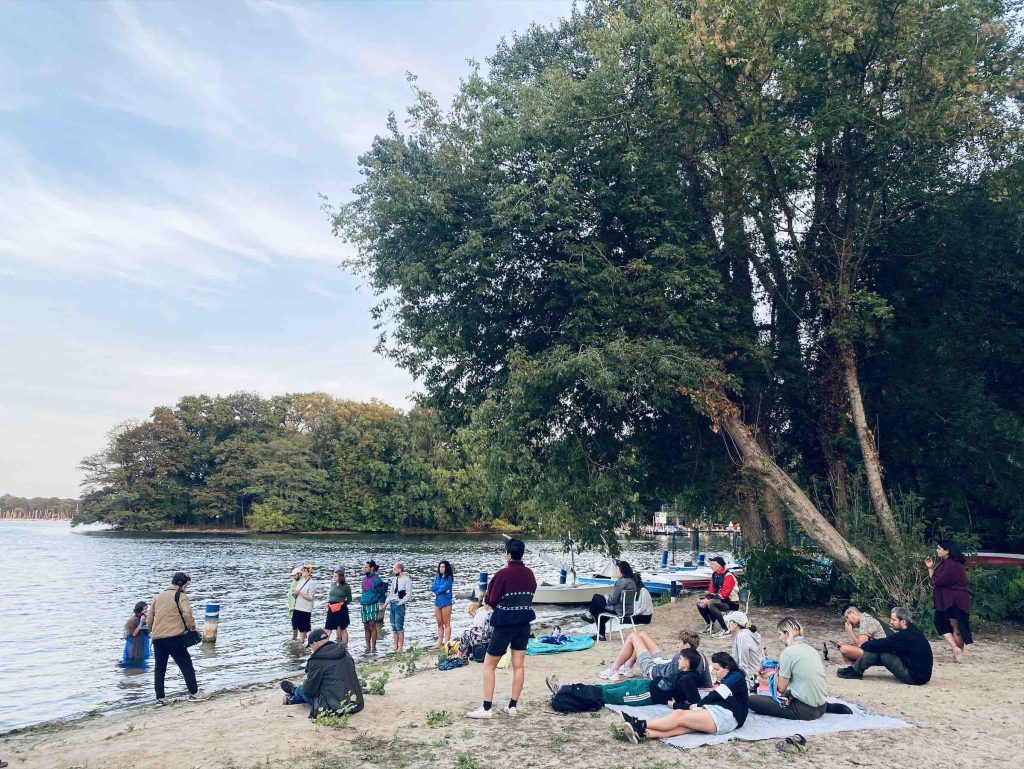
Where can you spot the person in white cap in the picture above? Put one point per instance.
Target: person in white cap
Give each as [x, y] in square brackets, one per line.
[746, 645]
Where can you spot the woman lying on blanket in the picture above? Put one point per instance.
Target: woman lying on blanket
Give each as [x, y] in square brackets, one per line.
[678, 686]
[722, 710]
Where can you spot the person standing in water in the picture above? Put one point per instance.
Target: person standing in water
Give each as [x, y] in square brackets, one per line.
[442, 590]
[303, 611]
[170, 615]
[136, 638]
[296, 573]
[338, 618]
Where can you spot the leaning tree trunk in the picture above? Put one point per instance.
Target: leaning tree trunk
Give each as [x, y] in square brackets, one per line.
[757, 461]
[869, 449]
[772, 504]
[750, 519]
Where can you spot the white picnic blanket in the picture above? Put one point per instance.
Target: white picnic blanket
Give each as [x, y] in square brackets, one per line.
[767, 728]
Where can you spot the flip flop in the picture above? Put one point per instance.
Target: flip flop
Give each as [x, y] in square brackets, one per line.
[794, 744]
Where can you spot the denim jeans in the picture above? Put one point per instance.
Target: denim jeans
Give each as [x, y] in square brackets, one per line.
[299, 697]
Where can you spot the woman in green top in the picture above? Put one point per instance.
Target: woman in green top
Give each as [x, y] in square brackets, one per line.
[337, 607]
[800, 681]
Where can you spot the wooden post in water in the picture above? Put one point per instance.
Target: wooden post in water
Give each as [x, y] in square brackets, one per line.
[210, 623]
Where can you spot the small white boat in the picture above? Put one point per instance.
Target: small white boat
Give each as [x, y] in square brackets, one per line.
[567, 594]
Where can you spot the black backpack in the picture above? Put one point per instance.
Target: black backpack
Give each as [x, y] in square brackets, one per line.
[577, 698]
[478, 651]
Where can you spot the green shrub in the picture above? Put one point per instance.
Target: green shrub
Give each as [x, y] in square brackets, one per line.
[777, 575]
[268, 517]
[997, 595]
[437, 718]
[374, 683]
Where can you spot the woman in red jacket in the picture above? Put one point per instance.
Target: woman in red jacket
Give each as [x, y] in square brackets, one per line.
[952, 597]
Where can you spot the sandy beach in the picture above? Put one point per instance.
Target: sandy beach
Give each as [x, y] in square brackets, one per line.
[970, 714]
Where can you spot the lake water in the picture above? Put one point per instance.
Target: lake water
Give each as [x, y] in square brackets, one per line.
[67, 593]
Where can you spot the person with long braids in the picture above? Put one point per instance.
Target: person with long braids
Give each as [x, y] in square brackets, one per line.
[952, 597]
[800, 685]
[722, 710]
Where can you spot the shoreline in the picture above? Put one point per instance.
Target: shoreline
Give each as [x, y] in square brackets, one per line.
[248, 728]
[314, 532]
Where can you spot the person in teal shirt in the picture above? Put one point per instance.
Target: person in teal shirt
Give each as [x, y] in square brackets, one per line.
[442, 590]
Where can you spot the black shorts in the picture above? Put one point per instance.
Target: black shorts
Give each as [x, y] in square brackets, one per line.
[516, 636]
[337, 620]
[300, 620]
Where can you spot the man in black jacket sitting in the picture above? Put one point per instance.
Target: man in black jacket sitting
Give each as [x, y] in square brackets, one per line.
[331, 684]
[906, 653]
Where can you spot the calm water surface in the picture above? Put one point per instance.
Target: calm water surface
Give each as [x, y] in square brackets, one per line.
[67, 593]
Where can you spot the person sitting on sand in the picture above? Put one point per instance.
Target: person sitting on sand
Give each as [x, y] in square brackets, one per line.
[331, 684]
[613, 602]
[678, 686]
[906, 653]
[479, 632]
[642, 653]
[722, 596]
[746, 646]
[800, 681]
[860, 627]
[723, 710]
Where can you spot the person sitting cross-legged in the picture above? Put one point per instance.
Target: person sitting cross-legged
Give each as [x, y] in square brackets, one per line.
[641, 653]
[677, 686]
[723, 710]
[331, 684]
[906, 653]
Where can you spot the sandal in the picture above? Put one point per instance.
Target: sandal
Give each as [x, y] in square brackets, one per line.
[795, 744]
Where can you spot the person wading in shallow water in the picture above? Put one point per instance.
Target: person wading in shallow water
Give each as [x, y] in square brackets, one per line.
[170, 616]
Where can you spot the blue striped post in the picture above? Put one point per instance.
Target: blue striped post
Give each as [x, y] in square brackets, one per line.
[210, 622]
[664, 558]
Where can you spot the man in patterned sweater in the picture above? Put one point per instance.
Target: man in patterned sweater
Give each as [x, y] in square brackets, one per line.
[510, 596]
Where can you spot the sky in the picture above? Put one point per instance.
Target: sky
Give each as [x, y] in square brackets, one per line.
[160, 225]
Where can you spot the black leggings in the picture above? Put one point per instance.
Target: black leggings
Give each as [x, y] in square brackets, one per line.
[175, 649]
[713, 611]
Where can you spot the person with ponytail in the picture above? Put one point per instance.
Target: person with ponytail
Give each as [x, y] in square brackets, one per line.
[746, 645]
[722, 710]
[951, 596]
[800, 685]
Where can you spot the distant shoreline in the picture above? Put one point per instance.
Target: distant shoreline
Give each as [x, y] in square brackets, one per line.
[313, 532]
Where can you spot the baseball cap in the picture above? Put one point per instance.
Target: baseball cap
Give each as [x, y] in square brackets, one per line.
[736, 616]
[317, 635]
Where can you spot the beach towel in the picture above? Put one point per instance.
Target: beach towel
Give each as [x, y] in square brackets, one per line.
[570, 644]
[768, 728]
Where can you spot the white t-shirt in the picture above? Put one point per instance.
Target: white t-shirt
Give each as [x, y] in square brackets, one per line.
[480, 618]
[308, 587]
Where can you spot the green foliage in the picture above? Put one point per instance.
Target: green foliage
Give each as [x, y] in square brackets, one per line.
[653, 201]
[778, 576]
[294, 462]
[408, 660]
[997, 595]
[375, 683]
[437, 718]
[466, 761]
[268, 516]
[336, 719]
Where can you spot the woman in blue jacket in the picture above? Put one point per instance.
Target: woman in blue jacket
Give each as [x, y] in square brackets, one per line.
[442, 590]
[722, 710]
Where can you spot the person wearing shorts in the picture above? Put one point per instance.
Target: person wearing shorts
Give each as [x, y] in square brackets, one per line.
[655, 663]
[303, 611]
[724, 709]
[510, 596]
[679, 687]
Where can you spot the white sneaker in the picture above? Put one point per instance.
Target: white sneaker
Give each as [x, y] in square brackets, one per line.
[608, 673]
[626, 672]
[198, 697]
[480, 713]
[721, 634]
[509, 711]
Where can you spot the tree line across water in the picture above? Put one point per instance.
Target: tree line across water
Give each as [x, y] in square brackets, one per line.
[291, 462]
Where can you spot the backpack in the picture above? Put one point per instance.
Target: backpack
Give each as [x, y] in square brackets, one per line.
[478, 651]
[577, 698]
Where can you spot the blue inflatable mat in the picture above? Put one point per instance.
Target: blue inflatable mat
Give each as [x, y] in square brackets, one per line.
[571, 644]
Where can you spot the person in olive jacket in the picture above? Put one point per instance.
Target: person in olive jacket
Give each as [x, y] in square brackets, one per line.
[332, 684]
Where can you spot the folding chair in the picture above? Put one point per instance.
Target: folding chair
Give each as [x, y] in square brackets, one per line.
[628, 605]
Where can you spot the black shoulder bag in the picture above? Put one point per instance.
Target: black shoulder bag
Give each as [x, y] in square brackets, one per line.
[189, 637]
